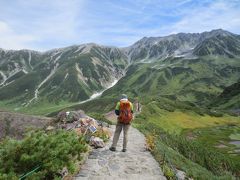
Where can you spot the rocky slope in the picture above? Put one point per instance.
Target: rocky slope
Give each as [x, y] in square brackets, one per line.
[15, 125]
[216, 42]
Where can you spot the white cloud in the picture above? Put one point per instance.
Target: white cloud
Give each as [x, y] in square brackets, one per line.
[39, 24]
[44, 24]
[220, 14]
[11, 40]
[3, 27]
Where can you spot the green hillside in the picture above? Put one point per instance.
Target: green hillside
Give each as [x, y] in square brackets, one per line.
[66, 75]
[229, 98]
[193, 68]
[193, 80]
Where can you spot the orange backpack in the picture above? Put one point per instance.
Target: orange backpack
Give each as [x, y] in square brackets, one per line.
[125, 112]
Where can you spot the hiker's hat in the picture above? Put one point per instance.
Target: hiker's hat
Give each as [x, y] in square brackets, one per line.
[124, 96]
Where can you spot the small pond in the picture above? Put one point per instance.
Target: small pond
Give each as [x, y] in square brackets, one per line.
[237, 143]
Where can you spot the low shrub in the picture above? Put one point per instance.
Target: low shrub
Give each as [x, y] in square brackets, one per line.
[48, 152]
[168, 172]
[104, 135]
[150, 142]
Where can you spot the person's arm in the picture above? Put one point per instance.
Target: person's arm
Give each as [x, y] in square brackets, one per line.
[131, 107]
[117, 109]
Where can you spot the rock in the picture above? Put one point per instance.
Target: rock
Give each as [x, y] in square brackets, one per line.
[180, 175]
[96, 142]
[102, 124]
[49, 128]
[70, 126]
[70, 116]
[83, 121]
[87, 121]
[61, 116]
[64, 172]
[81, 114]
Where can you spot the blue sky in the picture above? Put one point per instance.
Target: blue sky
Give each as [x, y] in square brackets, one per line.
[46, 24]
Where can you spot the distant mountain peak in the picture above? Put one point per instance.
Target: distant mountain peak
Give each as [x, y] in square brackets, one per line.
[184, 44]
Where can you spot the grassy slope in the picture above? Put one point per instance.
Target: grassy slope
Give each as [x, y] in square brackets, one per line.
[204, 128]
[41, 108]
[234, 102]
[194, 80]
[229, 98]
[177, 121]
[209, 129]
[189, 80]
[66, 84]
[169, 158]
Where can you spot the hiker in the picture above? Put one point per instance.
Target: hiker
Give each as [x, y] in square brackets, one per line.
[124, 111]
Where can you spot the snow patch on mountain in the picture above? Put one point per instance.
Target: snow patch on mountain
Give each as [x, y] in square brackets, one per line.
[48, 77]
[80, 48]
[10, 74]
[4, 78]
[25, 71]
[65, 77]
[56, 59]
[98, 94]
[40, 85]
[80, 75]
[29, 59]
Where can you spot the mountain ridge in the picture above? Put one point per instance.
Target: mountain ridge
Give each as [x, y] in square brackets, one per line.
[212, 32]
[174, 63]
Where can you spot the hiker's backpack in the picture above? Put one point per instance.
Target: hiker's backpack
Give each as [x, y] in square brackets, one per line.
[125, 112]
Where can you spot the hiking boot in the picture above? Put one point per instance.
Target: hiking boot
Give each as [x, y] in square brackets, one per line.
[124, 150]
[112, 149]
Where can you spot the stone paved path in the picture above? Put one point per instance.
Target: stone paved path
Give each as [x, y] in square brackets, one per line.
[135, 164]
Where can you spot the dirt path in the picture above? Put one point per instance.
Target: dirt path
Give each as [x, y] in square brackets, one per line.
[135, 164]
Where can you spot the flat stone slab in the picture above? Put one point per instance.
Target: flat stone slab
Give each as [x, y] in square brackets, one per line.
[135, 164]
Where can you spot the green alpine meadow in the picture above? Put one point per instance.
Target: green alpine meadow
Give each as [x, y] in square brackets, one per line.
[188, 86]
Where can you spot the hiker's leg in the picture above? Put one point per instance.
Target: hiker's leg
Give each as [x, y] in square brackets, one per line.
[125, 135]
[117, 133]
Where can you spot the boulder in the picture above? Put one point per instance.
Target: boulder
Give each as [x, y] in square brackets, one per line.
[96, 142]
[180, 175]
[50, 128]
[70, 116]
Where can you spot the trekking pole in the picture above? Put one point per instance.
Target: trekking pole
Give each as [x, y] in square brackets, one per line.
[34, 170]
[30, 172]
